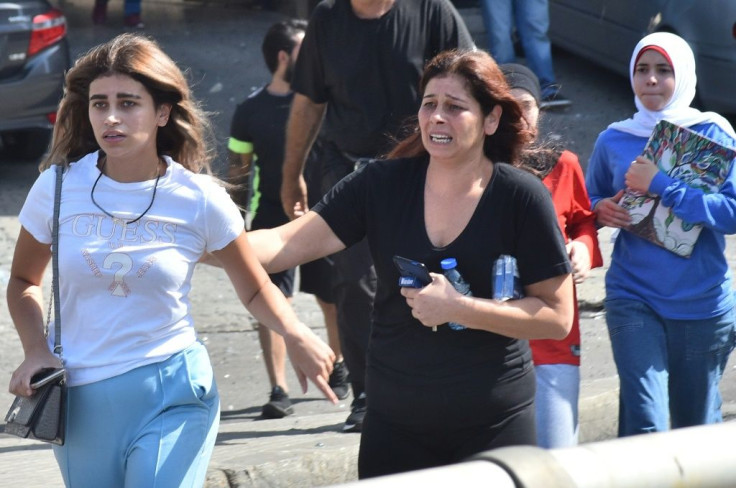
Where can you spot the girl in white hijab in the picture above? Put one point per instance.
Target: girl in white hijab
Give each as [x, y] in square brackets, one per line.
[670, 318]
[678, 110]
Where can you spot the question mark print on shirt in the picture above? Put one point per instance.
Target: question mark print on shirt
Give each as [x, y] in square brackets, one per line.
[118, 287]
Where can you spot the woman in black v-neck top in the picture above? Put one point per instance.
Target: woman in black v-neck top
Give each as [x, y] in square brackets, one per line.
[438, 397]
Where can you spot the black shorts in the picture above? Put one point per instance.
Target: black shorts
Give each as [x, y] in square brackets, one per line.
[285, 281]
[316, 278]
[269, 216]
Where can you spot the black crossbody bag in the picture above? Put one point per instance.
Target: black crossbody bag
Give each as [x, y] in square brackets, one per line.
[43, 415]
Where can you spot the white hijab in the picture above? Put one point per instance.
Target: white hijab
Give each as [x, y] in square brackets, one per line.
[678, 109]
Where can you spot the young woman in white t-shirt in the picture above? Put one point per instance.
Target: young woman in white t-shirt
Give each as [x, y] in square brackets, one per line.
[137, 214]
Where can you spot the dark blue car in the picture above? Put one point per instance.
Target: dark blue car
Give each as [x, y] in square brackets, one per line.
[34, 54]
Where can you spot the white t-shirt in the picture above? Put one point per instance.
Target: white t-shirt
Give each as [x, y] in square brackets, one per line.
[124, 287]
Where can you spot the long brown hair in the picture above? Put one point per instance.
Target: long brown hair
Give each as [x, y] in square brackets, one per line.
[186, 137]
[487, 85]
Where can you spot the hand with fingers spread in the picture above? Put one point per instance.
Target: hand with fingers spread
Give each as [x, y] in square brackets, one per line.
[610, 214]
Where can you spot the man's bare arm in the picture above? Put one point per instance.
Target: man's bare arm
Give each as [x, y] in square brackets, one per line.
[305, 120]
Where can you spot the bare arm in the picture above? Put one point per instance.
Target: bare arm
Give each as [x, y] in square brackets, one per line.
[546, 312]
[300, 241]
[25, 303]
[310, 356]
[305, 120]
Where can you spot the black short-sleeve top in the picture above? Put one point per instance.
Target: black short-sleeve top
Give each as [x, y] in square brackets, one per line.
[384, 201]
[368, 70]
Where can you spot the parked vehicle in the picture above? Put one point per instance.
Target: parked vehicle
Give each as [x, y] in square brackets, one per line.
[606, 31]
[34, 54]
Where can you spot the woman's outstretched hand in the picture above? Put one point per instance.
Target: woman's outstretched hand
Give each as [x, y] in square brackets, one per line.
[312, 359]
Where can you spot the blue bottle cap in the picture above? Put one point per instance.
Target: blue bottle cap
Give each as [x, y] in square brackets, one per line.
[448, 263]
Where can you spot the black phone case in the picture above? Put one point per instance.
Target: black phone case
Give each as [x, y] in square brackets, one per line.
[413, 269]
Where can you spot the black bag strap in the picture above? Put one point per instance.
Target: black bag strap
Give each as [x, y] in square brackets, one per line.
[58, 349]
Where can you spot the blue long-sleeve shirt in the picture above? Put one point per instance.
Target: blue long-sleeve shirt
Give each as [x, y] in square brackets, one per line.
[675, 287]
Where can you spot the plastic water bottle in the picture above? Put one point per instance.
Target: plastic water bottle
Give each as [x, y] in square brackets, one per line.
[449, 269]
[506, 282]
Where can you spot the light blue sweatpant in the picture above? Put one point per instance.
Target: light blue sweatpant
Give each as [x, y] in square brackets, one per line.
[154, 426]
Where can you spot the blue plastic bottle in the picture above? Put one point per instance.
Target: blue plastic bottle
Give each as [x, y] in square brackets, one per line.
[449, 269]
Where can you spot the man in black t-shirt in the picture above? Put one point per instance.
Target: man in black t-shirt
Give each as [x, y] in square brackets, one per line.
[359, 69]
[257, 135]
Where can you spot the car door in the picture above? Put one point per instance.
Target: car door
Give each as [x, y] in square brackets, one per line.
[604, 31]
[625, 23]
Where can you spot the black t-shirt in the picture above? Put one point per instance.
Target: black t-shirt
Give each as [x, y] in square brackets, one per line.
[368, 70]
[385, 202]
[261, 120]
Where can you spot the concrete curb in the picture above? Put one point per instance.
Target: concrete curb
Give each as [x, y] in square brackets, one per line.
[328, 456]
[294, 451]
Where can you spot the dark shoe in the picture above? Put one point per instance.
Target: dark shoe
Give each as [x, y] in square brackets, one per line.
[134, 20]
[339, 380]
[278, 406]
[554, 99]
[99, 13]
[354, 423]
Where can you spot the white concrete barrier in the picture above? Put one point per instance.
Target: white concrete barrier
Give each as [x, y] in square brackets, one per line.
[694, 457]
[471, 474]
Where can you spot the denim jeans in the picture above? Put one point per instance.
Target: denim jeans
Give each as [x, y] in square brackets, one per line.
[531, 19]
[556, 403]
[669, 370]
[130, 7]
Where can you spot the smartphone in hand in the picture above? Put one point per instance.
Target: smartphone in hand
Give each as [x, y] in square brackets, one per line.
[46, 376]
[412, 273]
